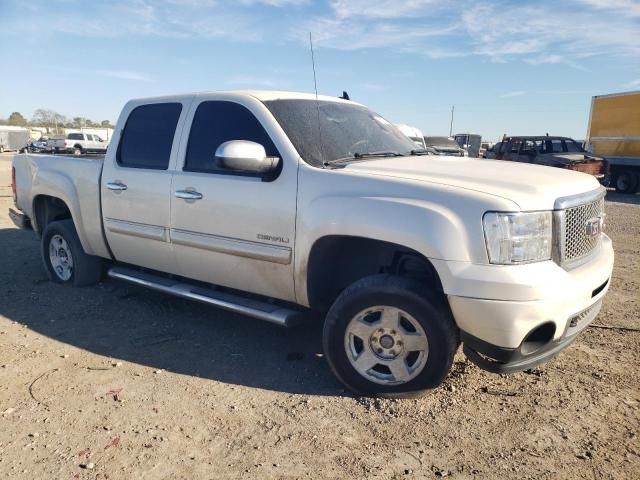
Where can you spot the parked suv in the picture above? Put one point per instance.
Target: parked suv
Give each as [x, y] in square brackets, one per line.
[561, 152]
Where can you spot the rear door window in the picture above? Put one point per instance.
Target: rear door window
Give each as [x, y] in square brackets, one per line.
[147, 137]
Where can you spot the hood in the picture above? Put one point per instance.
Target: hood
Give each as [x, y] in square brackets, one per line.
[531, 187]
[447, 148]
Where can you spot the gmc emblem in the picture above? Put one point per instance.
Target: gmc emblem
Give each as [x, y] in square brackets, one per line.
[592, 227]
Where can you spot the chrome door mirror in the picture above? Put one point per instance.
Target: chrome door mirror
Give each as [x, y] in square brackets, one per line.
[245, 156]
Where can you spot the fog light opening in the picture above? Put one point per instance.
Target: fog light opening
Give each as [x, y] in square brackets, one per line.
[538, 338]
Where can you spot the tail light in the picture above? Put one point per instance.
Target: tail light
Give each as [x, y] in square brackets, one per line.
[13, 183]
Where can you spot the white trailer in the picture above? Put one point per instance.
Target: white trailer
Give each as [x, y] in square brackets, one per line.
[13, 138]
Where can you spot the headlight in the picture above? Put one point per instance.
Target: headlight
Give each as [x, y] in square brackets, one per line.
[514, 238]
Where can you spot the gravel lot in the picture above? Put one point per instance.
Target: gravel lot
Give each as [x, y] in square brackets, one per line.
[114, 381]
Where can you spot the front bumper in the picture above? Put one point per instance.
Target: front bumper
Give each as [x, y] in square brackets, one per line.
[515, 317]
[529, 354]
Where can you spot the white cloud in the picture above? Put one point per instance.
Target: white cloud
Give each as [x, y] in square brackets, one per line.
[256, 81]
[125, 75]
[540, 33]
[625, 7]
[545, 32]
[517, 93]
[633, 83]
[383, 8]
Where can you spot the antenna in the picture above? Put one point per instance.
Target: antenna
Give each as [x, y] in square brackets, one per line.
[451, 124]
[315, 86]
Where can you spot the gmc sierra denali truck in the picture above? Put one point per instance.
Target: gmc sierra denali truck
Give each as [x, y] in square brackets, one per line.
[276, 205]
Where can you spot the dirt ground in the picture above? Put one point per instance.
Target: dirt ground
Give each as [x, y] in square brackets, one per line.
[114, 381]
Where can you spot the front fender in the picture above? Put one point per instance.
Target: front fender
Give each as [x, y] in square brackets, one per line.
[426, 227]
[440, 222]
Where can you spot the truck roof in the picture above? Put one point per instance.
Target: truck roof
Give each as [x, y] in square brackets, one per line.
[262, 95]
[537, 137]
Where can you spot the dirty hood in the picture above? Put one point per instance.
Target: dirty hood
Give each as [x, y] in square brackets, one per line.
[531, 187]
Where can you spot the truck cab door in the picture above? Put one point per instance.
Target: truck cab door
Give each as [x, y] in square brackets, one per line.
[136, 184]
[233, 228]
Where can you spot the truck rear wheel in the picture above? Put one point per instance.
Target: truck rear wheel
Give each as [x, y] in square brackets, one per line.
[626, 181]
[77, 150]
[65, 259]
[389, 335]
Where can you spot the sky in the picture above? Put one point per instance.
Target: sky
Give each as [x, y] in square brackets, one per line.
[509, 67]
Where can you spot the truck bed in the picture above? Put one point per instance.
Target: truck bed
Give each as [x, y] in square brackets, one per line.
[74, 180]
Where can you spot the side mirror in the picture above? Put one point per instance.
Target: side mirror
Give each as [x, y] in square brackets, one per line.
[245, 156]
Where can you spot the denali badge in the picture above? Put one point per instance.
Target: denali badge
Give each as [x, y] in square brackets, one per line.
[592, 227]
[271, 238]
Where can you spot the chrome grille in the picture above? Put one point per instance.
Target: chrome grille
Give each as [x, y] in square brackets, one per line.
[574, 243]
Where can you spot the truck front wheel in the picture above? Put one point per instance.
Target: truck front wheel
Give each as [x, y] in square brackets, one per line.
[64, 258]
[389, 335]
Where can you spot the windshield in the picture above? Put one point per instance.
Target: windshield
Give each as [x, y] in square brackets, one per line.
[441, 142]
[345, 130]
[573, 146]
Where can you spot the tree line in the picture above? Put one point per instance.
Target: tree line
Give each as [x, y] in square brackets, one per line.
[43, 117]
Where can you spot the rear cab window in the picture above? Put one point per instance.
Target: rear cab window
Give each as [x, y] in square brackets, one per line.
[147, 137]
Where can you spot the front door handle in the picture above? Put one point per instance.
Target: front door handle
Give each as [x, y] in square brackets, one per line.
[188, 194]
[116, 186]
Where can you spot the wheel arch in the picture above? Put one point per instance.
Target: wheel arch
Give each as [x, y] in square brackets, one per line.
[337, 261]
[47, 209]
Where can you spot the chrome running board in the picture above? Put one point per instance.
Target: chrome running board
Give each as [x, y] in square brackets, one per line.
[283, 316]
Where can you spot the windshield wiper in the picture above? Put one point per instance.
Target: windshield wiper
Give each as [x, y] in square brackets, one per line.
[364, 155]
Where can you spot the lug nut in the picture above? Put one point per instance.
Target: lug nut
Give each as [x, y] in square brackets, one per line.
[393, 332]
[399, 343]
[379, 350]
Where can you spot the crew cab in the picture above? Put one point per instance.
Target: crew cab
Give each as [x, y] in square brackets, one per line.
[78, 143]
[288, 207]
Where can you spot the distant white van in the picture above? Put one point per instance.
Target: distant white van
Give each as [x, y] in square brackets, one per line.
[415, 134]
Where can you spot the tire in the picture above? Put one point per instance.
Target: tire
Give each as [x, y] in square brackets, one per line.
[1, 148]
[626, 181]
[420, 316]
[64, 258]
[77, 150]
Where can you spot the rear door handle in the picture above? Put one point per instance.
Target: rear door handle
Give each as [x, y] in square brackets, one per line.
[116, 186]
[188, 194]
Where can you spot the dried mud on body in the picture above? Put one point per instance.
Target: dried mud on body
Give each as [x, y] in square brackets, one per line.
[114, 381]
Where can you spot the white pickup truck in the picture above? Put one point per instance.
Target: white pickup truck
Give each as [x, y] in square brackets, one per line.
[279, 205]
[78, 143]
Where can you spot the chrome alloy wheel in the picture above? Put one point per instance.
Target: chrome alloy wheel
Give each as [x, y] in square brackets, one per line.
[386, 345]
[60, 257]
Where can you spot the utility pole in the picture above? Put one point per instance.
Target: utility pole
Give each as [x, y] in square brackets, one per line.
[451, 124]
